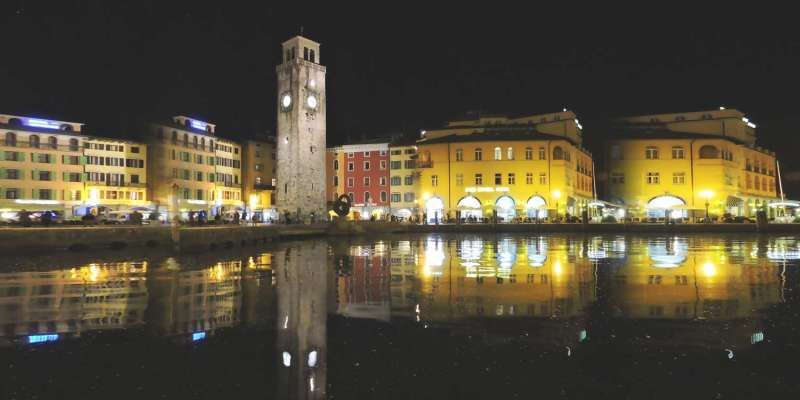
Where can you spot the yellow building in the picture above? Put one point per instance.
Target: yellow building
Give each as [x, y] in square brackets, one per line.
[258, 177]
[402, 180]
[530, 166]
[227, 196]
[182, 161]
[115, 175]
[40, 166]
[676, 165]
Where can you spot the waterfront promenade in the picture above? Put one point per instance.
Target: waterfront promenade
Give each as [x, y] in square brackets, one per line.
[195, 239]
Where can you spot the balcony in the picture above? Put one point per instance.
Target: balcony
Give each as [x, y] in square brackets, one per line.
[263, 186]
[424, 164]
[117, 184]
[42, 146]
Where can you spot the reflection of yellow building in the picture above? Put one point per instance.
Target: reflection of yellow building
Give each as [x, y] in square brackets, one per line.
[668, 281]
[670, 164]
[518, 167]
[71, 301]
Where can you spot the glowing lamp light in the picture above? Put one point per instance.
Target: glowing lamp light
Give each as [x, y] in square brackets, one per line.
[709, 269]
[41, 202]
[706, 194]
[42, 123]
[556, 194]
[287, 359]
[197, 336]
[426, 196]
[253, 201]
[200, 125]
[722, 108]
[32, 339]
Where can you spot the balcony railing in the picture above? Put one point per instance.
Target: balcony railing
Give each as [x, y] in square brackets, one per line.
[41, 146]
[424, 163]
[117, 184]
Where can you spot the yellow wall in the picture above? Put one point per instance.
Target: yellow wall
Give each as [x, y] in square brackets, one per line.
[407, 154]
[129, 194]
[561, 176]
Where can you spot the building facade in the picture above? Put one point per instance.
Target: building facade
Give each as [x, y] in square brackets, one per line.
[402, 180]
[227, 196]
[685, 165]
[115, 175]
[361, 171]
[182, 161]
[301, 131]
[258, 177]
[511, 168]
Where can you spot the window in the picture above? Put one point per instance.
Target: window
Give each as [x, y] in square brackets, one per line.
[396, 164]
[459, 179]
[351, 196]
[259, 167]
[351, 166]
[383, 197]
[653, 178]
[529, 153]
[12, 194]
[558, 153]
[542, 153]
[335, 165]
[396, 152]
[350, 182]
[45, 194]
[9, 174]
[135, 178]
[677, 152]
[366, 181]
[479, 179]
[11, 139]
[409, 197]
[529, 178]
[42, 158]
[382, 181]
[478, 154]
[409, 180]
[185, 140]
[617, 178]
[512, 179]
[335, 180]
[198, 176]
[615, 152]
[396, 197]
[72, 176]
[366, 197]
[52, 142]
[383, 164]
[33, 141]
[382, 152]
[396, 181]
[409, 164]
[510, 153]
[74, 146]
[459, 155]
[350, 155]
[498, 179]
[44, 176]
[651, 153]
[434, 180]
[366, 154]
[679, 178]
[498, 154]
[410, 151]
[542, 178]
[71, 160]
[366, 165]
[709, 151]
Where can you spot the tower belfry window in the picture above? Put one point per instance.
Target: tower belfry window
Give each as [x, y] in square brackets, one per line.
[312, 56]
[305, 53]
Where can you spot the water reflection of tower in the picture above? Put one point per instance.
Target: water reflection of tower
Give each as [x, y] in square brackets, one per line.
[302, 276]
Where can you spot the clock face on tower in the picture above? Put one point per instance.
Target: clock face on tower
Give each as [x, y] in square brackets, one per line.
[311, 102]
[286, 101]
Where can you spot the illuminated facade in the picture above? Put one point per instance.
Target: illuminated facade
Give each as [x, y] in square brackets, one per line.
[182, 161]
[523, 167]
[677, 164]
[227, 196]
[41, 166]
[258, 177]
[361, 171]
[115, 175]
[402, 180]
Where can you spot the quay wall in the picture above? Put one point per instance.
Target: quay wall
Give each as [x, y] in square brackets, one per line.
[195, 239]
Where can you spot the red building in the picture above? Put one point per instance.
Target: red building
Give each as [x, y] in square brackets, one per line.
[362, 172]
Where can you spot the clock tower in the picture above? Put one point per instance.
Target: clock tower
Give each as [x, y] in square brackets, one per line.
[300, 183]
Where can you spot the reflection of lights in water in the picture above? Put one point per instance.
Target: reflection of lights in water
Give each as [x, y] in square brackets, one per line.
[537, 252]
[783, 249]
[311, 386]
[557, 267]
[582, 335]
[757, 338]
[499, 309]
[287, 359]
[285, 322]
[569, 351]
[312, 359]
[709, 269]
[404, 246]
[668, 254]
[434, 257]
[42, 338]
[196, 336]
[506, 254]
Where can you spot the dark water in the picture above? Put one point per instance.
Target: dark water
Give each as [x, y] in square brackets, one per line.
[416, 317]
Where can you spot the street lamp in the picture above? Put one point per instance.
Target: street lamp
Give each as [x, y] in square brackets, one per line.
[707, 194]
[556, 196]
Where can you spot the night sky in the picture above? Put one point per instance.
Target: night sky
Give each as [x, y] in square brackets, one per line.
[398, 67]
